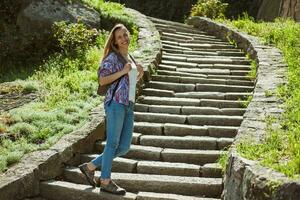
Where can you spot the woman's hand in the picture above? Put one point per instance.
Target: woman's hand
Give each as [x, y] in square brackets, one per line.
[140, 70]
[127, 68]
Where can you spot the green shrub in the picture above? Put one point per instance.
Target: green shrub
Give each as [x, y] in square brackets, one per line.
[73, 38]
[209, 8]
[3, 162]
[13, 157]
[22, 129]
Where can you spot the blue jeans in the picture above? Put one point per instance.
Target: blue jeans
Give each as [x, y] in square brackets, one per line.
[119, 127]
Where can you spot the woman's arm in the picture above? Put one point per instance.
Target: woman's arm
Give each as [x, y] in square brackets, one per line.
[111, 78]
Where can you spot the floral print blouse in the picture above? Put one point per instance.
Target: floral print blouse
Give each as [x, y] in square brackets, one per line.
[110, 65]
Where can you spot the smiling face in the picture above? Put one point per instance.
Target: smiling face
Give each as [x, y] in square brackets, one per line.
[122, 39]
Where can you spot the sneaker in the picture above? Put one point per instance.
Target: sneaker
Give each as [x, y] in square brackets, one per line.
[113, 188]
[89, 175]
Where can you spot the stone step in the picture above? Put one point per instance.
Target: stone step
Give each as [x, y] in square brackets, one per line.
[158, 92]
[165, 196]
[168, 24]
[195, 95]
[221, 103]
[207, 46]
[223, 88]
[175, 65]
[136, 138]
[186, 142]
[197, 35]
[213, 71]
[212, 52]
[172, 48]
[230, 53]
[159, 118]
[218, 120]
[148, 128]
[178, 41]
[125, 165]
[203, 55]
[194, 80]
[168, 46]
[191, 156]
[208, 187]
[172, 71]
[176, 87]
[58, 190]
[244, 64]
[187, 68]
[208, 65]
[182, 31]
[188, 32]
[190, 53]
[189, 110]
[174, 101]
[214, 95]
[167, 38]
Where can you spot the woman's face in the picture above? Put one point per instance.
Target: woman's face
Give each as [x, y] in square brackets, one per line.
[122, 38]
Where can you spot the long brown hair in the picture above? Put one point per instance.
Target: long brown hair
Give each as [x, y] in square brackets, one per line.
[110, 42]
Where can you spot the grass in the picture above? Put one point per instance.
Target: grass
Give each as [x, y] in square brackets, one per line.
[111, 10]
[280, 149]
[67, 87]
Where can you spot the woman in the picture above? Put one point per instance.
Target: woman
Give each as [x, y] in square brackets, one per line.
[118, 69]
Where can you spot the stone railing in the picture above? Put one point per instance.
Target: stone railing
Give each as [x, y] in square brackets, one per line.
[247, 179]
[22, 180]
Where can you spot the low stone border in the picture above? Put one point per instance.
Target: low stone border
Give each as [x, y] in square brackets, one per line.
[22, 180]
[246, 179]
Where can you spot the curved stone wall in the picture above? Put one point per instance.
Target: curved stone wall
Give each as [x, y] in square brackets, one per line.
[246, 179]
[22, 180]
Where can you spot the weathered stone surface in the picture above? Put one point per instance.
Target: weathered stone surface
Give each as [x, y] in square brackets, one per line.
[168, 168]
[170, 101]
[59, 190]
[162, 196]
[221, 103]
[176, 87]
[222, 131]
[210, 187]
[201, 95]
[187, 142]
[211, 170]
[148, 128]
[165, 109]
[159, 118]
[184, 130]
[220, 120]
[198, 157]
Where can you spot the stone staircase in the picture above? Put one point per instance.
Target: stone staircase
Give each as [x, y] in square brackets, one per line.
[187, 114]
